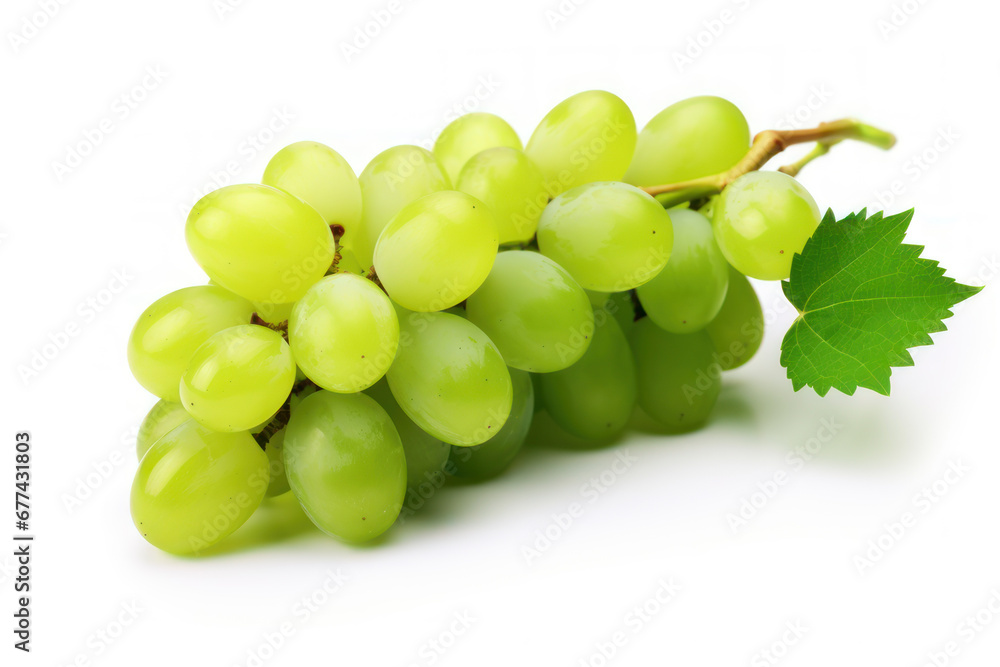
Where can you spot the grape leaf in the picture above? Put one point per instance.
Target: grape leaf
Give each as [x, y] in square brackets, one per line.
[864, 297]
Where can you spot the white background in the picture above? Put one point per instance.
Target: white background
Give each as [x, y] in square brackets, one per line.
[228, 75]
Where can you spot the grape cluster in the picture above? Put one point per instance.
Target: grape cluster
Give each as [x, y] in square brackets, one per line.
[361, 335]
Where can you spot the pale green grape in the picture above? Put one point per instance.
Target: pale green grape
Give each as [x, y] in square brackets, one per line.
[273, 313]
[320, 177]
[496, 454]
[689, 291]
[345, 464]
[238, 378]
[678, 377]
[511, 186]
[762, 220]
[469, 135]
[611, 237]
[196, 486]
[531, 308]
[344, 333]
[437, 251]
[425, 454]
[594, 398]
[170, 330]
[259, 242]
[164, 417]
[450, 378]
[696, 137]
[738, 329]
[622, 308]
[275, 450]
[598, 299]
[393, 179]
[586, 138]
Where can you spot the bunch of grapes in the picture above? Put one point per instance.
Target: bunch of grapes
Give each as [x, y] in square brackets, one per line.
[361, 335]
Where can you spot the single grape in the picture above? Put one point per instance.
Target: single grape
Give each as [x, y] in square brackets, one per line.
[594, 398]
[762, 220]
[491, 458]
[678, 377]
[196, 486]
[469, 135]
[238, 378]
[696, 137]
[611, 237]
[450, 378]
[170, 330]
[598, 299]
[393, 179]
[511, 186]
[259, 242]
[437, 251]
[164, 417]
[531, 308]
[345, 464]
[622, 308]
[738, 329]
[688, 293]
[320, 177]
[344, 333]
[586, 138]
[273, 313]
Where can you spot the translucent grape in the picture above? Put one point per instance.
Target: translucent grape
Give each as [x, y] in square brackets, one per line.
[496, 454]
[688, 293]
[344, 333]
[511, 186]
[273, 313]
[238, 378]
[738, 329]
[259, 242]
[621, 307]
[437, 251]
[586, 138]
[611, 237]
[450, 378]
[170, 330]
[164, 417]
[345, 464]
[594, 398]
[469, 135]
[531, 308]
[195, 486]
[678, 377]
[320, 177]
[696, 137]
[393, 179]
[762, 220]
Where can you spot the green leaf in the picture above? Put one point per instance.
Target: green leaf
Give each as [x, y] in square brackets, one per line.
[864, 298]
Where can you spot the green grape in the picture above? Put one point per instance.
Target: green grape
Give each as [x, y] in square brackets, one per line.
[469, 135]
[344, 333]
[393, 179]
[425, 454]
[594, 398]
[259, 242]
[511, 186]
[689, 291]
[450, 378]
[762, 220]
[696, 137]
[349, 263]
[622, 308]
[738, 329]
[275, 450]
[170, 330]
[164, 417]
[320, 177]
[678, 377]
[195, 486]
[238, 378]
[345, 464]
[598, 299]
[611, 237]
[437, 251]
[273, 313]
[586, 138]
[496, 454]
[531, 308]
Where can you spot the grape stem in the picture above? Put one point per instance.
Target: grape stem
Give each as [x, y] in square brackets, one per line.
[768, 144]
